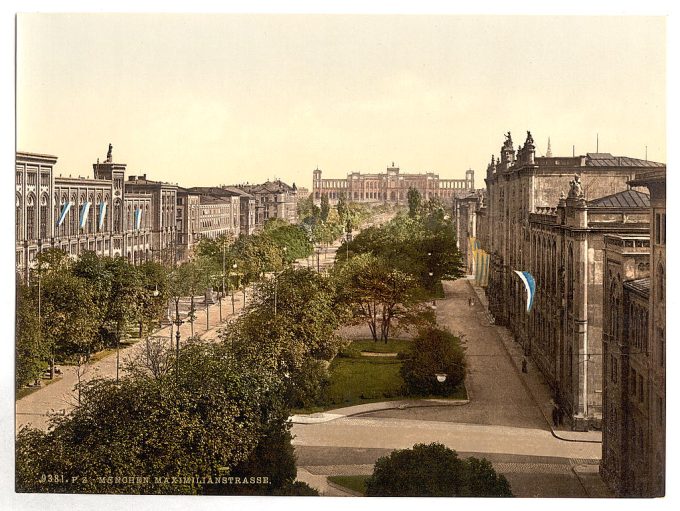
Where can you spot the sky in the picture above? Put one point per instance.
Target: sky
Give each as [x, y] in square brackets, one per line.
[209, 99]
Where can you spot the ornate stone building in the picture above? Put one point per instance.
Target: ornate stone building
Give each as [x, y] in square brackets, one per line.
[78, 214]
[390, 186]
[634, 353]
[528, 224]
[273, 199]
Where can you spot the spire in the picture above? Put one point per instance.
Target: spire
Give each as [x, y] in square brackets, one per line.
[548, 153]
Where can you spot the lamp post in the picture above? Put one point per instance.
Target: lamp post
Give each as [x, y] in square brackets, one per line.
[233, 304]
[178, 323]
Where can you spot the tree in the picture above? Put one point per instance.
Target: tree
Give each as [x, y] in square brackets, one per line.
[434, 351]
[377, 294]
[206, 422]
[32, 349]
[296, 337]
[325, 207]
[292, 238]
[414, 202]
[434, 471]
[305, 208]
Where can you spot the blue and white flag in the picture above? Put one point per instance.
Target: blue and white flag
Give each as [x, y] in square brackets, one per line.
[64, 211]
[84, 211]
[102, 214]
[138, 218]
[530, 285]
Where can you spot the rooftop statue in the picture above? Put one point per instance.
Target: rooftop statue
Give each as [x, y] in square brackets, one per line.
[576, 190]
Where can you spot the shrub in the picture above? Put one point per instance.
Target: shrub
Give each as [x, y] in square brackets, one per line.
[434, 471]
[434, 351]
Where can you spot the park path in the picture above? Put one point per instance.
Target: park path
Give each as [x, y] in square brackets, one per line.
[60, 396]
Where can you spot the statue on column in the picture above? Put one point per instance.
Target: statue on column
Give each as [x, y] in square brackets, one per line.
[109, 154]
[575, 190]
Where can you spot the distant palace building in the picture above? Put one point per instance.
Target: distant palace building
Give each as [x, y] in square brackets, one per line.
[391, 186]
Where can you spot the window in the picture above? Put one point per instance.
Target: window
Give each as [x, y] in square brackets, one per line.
[44, 179]
[30, 218]
[19, 178]
[43, 221]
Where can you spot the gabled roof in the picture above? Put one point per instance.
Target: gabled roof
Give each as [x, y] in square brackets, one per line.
[608, 160]
[626, 199]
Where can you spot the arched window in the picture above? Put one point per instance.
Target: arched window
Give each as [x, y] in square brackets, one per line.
[44, 214]
[17, 226]
[117, 212]
[30, 217]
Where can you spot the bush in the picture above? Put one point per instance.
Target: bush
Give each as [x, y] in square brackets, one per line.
[434, 351]
[434, 471]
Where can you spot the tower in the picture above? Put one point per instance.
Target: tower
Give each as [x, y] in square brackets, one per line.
[470, 179]
[316, 183]
[548, 153]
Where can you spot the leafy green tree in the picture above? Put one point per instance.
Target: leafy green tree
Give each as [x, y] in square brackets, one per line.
[207, 420]
[414, 202]
[289, 328]
[291, 239]
[434, 471]
[32, 349]
[325, 207]
[306, 208]
[434, 351]
[343, 209]
[69, 315]
[378, 294]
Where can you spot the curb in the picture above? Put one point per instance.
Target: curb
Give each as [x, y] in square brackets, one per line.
[529, 392]
[424, 403]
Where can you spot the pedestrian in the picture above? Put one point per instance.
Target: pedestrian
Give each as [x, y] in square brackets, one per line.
[555, 416]
[524, 365]
[560, 415]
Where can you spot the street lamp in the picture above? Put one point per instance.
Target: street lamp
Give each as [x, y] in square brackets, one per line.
[178, 323]
[233, 305]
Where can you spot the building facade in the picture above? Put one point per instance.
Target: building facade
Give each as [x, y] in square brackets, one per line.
[634, 353]
[272, 199]
[528, 224]
[78, 214]
[391, 186]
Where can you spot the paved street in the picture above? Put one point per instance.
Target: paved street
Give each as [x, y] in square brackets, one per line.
[504, 421]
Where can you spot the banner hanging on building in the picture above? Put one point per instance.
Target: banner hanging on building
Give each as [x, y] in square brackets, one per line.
[102, 214]
[529, 285]
[84, 211]
[64, 212]
[138, 218]
[481, 268]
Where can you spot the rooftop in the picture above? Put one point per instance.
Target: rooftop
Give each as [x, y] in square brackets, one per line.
[609, 160]
[625, 199]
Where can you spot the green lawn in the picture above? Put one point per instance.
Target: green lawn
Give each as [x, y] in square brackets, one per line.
[356, 381]
[392, 346]
[354, 483]
[368, 379]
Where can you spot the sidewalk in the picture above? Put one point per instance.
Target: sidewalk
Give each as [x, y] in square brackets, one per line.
[533, 379]
[350, 411]
[60, 396]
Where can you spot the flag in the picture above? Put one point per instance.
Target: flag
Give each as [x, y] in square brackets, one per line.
[84, 211]
[530, 285]
[474, 244]
[102, 214]
[64, 212]
[481, 268]
[138, 218]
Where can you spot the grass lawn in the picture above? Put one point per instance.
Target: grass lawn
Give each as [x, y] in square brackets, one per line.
[392, 346]
[369, 379]
[354, 483]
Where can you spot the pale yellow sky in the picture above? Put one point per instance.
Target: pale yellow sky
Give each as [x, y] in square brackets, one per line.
[220, 99]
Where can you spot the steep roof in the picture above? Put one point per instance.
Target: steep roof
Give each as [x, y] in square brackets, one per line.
[608, 160]
[625, 199]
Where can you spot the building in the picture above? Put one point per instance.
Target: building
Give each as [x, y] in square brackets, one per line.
[634, 353]
[78, 214]
[391, 186]
[219, 212]
[273, 199]
[465, 211]
[247, 208]
[163, 214]
[528, 224]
